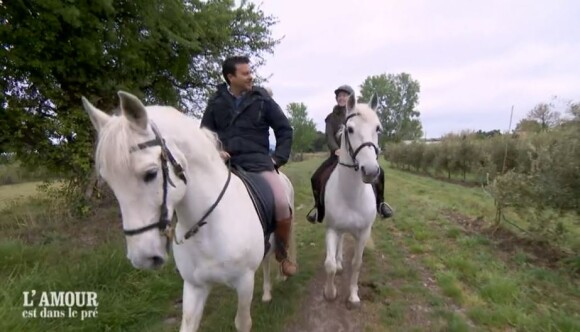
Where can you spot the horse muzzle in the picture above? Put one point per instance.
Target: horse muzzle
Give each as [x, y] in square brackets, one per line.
[152, 262]
[149, 253]
[369, 174]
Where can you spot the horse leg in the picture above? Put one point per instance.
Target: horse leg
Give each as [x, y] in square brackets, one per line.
[279, 275]
[194, 298]
[267, 293]
[332, 239]
[245, 289]
[339, 255]
[361, 240]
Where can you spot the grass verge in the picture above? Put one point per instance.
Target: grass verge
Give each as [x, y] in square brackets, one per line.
[426, 272]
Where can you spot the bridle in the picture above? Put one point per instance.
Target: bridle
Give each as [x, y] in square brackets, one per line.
[353, 153]
[164, 224]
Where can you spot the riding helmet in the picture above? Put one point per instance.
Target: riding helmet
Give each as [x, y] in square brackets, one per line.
[344, 88]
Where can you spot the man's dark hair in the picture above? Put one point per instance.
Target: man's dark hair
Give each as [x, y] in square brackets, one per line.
[229, 65]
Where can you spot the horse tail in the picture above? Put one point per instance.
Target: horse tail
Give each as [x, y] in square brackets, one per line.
[292, 252]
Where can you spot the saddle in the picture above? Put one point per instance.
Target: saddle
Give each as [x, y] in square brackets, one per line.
[263, 198]
[324, 177]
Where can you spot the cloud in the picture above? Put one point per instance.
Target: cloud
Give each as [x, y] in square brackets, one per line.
[469, 58]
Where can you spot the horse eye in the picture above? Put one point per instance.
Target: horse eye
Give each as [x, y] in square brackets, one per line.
[379, 129]
[150, 175]
[350, 130]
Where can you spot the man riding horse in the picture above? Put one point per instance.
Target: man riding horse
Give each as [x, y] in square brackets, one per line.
[334, 121]
[241, 114]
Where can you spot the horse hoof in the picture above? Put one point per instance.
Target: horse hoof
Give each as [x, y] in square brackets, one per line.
[352, 305]
[266, 298]
[330, 297]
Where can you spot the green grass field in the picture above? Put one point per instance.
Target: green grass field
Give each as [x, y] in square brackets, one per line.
[11, 193]
[427, 271]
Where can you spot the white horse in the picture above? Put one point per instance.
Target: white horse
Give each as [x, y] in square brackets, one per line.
[349, 197]
[158, 161]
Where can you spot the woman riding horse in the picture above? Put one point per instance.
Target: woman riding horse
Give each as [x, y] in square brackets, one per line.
[334, 121]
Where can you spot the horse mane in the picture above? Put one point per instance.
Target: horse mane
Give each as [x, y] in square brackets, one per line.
[118, 136]
[213, 138]
[366, 112]
[114, 142]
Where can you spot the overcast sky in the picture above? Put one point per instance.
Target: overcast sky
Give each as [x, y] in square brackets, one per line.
[473, 60]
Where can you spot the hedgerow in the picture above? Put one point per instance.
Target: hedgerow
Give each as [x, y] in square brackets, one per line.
[535, 175]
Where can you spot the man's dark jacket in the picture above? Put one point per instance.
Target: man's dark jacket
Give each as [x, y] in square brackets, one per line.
[244, 130]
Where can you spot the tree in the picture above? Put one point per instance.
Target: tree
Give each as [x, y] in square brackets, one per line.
[544, 115]
[485, 134]
[398, 96]
[164, 51]
[304, 128]
[528, 126]
[573, 117]
[574, 111]
[320, 142]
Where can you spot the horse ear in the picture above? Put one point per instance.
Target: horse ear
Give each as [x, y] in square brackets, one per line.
[98, 117]
[133, 109]
[374, 101]
[350, 103]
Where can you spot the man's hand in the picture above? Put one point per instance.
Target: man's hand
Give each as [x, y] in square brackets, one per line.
[337, 152]
[224, 155]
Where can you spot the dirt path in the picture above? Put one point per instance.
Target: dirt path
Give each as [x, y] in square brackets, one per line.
[318, 315]
[415, 308]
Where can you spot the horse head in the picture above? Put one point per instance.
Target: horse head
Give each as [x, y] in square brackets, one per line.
[145, 172]
[360, 138]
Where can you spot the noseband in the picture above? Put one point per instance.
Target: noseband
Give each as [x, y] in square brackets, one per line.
[164, 224]
[353, 153]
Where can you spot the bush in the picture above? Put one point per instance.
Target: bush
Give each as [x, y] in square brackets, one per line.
[12, 172]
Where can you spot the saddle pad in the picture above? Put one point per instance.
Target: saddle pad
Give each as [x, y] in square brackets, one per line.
[262, 197]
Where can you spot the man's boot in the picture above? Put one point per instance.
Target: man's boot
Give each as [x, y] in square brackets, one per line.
[282, 233]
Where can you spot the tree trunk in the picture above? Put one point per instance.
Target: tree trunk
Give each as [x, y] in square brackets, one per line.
[91, 185]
